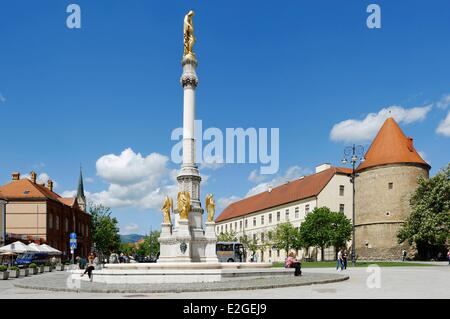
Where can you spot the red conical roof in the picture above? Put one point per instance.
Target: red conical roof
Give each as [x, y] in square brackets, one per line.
[391, 146]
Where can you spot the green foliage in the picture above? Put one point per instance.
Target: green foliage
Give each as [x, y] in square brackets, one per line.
[127, 249]
[104, 229]
[324, 228]
[287, 237]
[32, 266]
[14, 268]
[429, 222]
[251, 245]
[150, 245]
[227, 236]
[3, 268]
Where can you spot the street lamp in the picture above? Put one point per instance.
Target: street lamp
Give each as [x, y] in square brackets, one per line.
[353, 155]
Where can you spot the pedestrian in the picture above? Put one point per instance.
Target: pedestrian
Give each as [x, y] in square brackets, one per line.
[77, 262]
[448, 257]
[404, 255]
[339, 262]
[90, 266]
[292, 262]
[345, 258]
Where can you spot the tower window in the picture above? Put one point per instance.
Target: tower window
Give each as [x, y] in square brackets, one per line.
[341, 208]
[341, 190]
[390, 185]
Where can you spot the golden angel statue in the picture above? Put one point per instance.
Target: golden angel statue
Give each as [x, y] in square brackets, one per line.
[210, 207]
[184, 205]
[167, 209]
[188, 30]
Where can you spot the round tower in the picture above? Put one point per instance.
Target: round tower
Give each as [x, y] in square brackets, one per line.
[386, 180]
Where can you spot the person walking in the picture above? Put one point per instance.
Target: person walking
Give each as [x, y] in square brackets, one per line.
[339, 262]
[90, 266]
[292, 262]
[404, 255]
[448, 257]
[345, 258]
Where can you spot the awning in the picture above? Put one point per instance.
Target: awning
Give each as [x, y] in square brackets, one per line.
[16, 247]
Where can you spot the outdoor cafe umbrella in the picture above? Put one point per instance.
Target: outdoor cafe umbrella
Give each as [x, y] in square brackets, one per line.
[34, 248]
[51, 250]
[16, 247]
[8, 254]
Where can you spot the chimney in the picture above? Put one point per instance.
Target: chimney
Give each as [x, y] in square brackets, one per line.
[322, 167]
[269, 188]
[50, 185]
[410, 144]
[33, 176]
[15, 176]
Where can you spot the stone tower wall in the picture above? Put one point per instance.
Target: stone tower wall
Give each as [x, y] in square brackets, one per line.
[381, 211]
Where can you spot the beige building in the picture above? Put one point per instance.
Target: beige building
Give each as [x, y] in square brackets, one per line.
[255, 216]
[386, 181]
[2, 220]
[35, 213]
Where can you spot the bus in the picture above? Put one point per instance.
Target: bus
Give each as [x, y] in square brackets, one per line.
[230, 252]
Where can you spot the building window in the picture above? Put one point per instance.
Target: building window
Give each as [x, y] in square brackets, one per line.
[246, 223]
[270, 253]
[50, 221]
[254, 237]
[297, 209]
[235, 226]
[341, 190]
[270, 218]
[231, 227]
[306, 208]
[391, 185]
[66, 224]
[254, 221]
[262, 220]
[341, 208]
[57, 222]
[262, 237]
[269, 235]
[287, 214]
[278, 216]
[278, 253]
[226, 228]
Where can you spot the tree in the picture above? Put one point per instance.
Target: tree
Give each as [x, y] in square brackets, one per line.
[127, 248]
[428, 226]
[150, 245]
[250, 245]
[323, 228]
[227, 236]
[104, 229]
[287, 237]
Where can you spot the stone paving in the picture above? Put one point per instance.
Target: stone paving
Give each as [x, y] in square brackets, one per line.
[67, 282]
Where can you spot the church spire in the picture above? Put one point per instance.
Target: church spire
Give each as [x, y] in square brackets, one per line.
[81, 199]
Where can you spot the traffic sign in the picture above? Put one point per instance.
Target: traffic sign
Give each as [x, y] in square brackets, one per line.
[73, 235]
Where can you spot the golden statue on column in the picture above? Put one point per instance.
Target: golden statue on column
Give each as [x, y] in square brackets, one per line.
[184, 205]
[210, 207]
[167, 209]
[189, 38]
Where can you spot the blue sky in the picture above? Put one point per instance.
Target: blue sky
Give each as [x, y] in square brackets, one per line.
[106, 96]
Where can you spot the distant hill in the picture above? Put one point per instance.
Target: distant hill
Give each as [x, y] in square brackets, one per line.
[131, 238]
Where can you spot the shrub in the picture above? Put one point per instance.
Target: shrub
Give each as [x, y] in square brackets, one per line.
[3, 268]
[32, 265]
[13, 268]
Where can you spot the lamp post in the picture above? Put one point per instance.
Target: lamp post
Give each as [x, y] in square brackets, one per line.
[352, 155]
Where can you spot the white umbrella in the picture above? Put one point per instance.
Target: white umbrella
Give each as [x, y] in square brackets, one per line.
[52, 251]
[34, 248]
[16, 247]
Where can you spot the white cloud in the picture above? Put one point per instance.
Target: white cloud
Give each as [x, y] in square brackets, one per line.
[291, 173]
[444, 126]
[353, 130]
[255, 177]
[131, 228]
[89, 180]
[444, 102]
[223, 202]
[69, 194]
[135, 180]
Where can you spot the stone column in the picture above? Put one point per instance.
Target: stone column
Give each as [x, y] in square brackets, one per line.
[211, 240]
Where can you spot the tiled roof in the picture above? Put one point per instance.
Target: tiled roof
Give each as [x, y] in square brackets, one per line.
[1, 196]
[391, 146]
[305, 187]
[26, 189]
